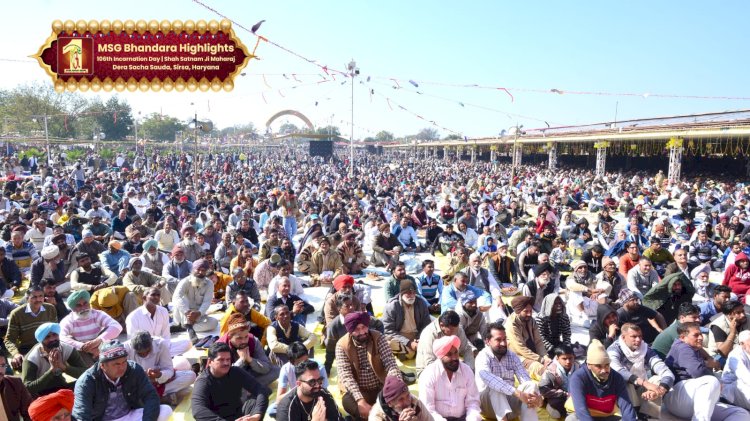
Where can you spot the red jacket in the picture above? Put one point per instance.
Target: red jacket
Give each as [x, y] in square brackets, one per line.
[737, 278]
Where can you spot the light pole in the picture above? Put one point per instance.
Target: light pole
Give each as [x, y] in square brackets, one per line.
[353, 71]
[516, 158]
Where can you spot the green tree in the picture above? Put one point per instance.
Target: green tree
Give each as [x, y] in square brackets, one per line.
[288, 128]
[428, 133]
[161, 128]
[453, 136]
[328, 130]
[18, 108]
[384, 136]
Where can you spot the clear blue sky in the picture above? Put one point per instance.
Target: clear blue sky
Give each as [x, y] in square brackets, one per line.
[670, 47]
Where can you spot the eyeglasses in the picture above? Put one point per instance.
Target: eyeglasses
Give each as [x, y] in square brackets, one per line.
[313, 382]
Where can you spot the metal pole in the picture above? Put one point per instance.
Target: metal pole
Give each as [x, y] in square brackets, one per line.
[136, 137]
[46, 139]
[351, 139]
[195, 153]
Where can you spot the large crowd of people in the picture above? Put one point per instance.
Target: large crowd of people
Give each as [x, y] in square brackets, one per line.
[552, 292]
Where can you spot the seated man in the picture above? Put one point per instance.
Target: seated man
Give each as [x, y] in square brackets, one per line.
[283, 332]
[176, 269]
[687, 312]
[241, 304]
[309, 398]
[55, 406]
[430, 285]
[735, 378]
[23, 322]
[86, 329]
[138, 281]
[647, 376]
[524, 338]
[446, 386]
[49, 264]
[471, 319]
[326, 263]
[152, 354]
[51, 296]
[666, 296]
[404, 317]
[395, 398]
[90, 277]
[335, 330]
[117, 389]
[45, 364]
[115, 259]
[386, 248]
[22, 253]
[191, 300]
[397, 278]
[16, 399]
[352, 256]
[448, 324]
[407, 236]
[226, 392]
[632, 311]
[696, 391]
[11, 275]
[497, 369]
[541, 286]
[298, 354]
[153, 318]
[247, 351]
[361, 353]
[711, 309]
[596, 391]
[458, 286]
[342, 285]
[553, 323]
[240, 282]
[299, 308]
[723, 332]
[117, 301]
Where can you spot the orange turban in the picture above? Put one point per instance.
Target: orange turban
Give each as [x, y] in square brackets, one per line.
[47, 406]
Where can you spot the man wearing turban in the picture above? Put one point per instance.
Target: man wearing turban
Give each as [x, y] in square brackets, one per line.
[117, 301]
[361, 383]
[86, 329]
[524, 338]
[115, 258]
[351, 253]
[191, 301]
[458, 398]
[45, 364]
[342, 285]
[396, 403]
[58, 405]
[246, 347]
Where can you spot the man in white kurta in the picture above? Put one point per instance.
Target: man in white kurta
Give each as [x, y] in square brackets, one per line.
[154, 319]
[152, 354]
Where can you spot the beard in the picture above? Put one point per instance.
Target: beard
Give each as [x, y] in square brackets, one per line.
[500, 352]
[52, 345]
[82, 315]
[197, 282]
[451, 366]
[361, 339]
[471, 312]
[189, 243]
[409, 300]
[241, 346]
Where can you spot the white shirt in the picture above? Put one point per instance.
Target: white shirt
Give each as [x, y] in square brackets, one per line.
[456, 397]
[140, 319]
[158, 358]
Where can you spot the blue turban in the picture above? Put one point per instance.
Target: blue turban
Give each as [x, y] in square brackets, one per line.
[45, 329]
[150, 243]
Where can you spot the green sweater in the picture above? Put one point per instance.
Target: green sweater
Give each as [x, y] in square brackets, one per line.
[48, 381]
[22, 325]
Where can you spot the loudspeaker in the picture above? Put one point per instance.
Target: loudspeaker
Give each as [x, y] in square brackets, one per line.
[322, 148]
[380, 150]
[371, 149]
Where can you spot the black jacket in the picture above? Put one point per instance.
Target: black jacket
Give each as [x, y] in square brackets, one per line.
[220, 398]
[290, 408]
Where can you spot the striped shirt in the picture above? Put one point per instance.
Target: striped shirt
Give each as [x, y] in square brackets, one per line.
[99, 325]
[499, 374]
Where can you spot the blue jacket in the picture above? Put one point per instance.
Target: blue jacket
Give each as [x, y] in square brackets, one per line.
[449, 298]
[92, 393]
[686, 362]
[11, 273]
[588, 393]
